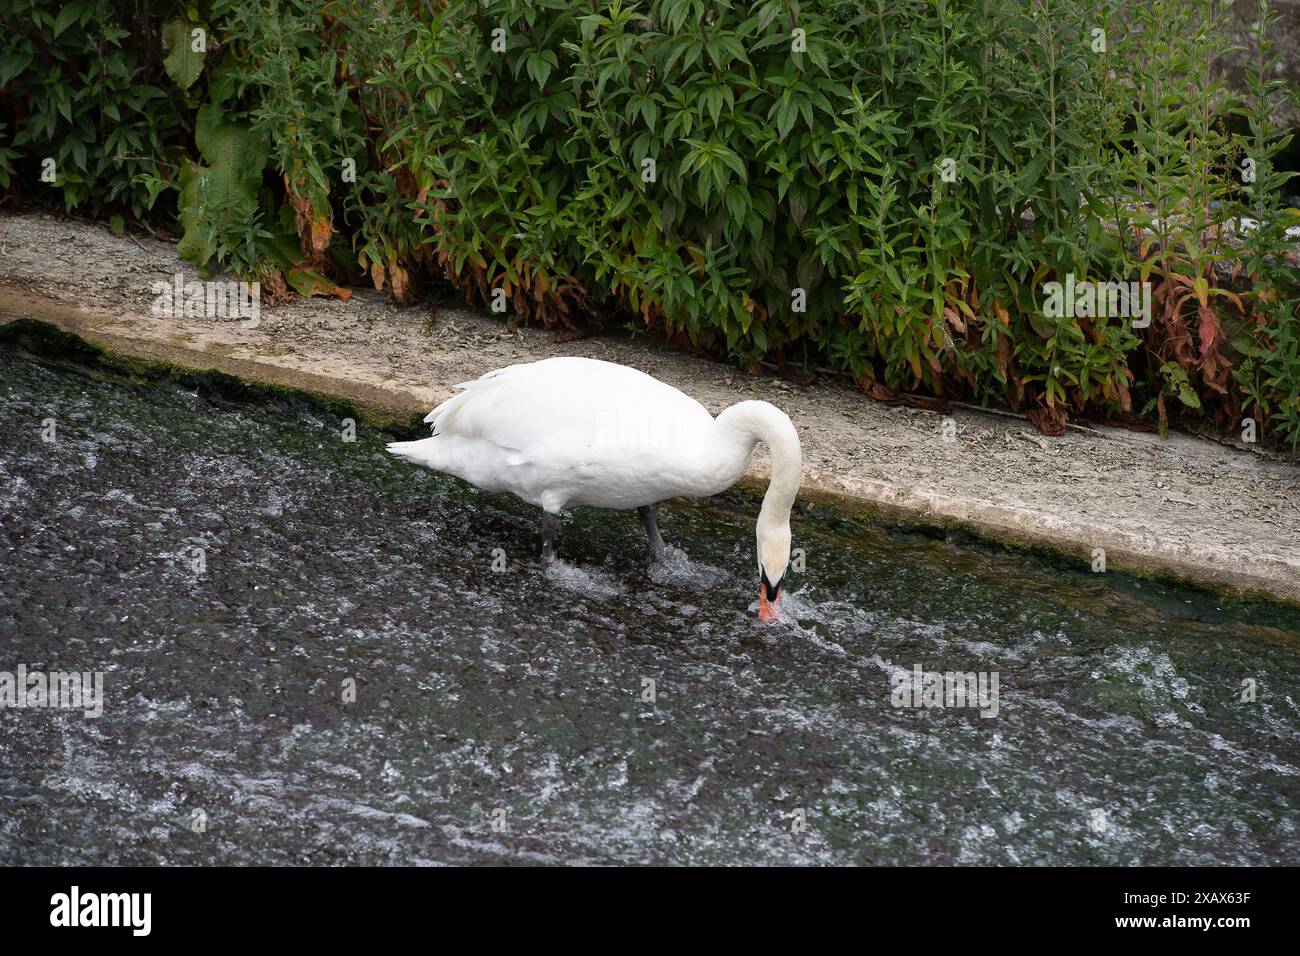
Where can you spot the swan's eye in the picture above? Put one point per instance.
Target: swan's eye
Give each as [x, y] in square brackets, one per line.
[770, 589]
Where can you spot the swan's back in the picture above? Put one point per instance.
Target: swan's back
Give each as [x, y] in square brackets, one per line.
[568, 431]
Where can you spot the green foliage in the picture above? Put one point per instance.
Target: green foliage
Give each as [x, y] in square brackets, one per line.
[81, 87]
[219, 201]
[186, 51]
[1269, 373]
[881, 187]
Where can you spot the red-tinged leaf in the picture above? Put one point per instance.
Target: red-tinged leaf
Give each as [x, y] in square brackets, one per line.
[314, 223]
[307, 281]
[1209, 333]
[1004, 354]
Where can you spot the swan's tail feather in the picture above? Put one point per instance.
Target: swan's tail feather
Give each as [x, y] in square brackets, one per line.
[420, 452]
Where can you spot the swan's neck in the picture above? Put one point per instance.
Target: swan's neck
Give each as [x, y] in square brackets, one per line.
[740, 428]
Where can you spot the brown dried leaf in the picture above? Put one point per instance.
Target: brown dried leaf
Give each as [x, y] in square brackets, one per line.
[1050, 421]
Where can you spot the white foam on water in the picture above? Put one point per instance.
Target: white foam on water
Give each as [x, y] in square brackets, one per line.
[12, 490]
[336, 770]
[549, 778]
[579, 580]
[840, 617]
[461, 838]
[679, 570]
[274, 506]
[1159, 683]
[367, 812]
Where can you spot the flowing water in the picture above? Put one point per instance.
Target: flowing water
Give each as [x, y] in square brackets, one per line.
[235, 569]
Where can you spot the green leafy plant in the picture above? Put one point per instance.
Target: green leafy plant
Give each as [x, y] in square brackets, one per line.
[879, 189]
[82, 85]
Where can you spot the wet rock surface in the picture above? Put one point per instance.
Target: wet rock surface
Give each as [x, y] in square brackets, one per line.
[504, 715]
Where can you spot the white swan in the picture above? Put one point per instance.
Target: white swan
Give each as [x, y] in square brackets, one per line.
[577, 431]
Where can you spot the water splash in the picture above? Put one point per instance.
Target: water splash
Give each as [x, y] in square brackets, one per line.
[349, 680]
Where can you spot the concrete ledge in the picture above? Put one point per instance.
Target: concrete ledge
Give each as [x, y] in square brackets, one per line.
[1193, 509]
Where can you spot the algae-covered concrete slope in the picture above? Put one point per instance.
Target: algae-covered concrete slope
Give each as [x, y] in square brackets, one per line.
[1195, 509]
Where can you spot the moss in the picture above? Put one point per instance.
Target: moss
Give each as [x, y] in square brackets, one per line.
[57, 347]
[1172, 595]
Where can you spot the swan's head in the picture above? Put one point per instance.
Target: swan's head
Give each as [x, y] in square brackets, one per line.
[773, 558]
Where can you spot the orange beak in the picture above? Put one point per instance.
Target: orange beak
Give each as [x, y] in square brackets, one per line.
[766, 608]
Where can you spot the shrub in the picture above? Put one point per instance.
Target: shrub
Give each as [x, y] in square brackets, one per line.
[878, 188]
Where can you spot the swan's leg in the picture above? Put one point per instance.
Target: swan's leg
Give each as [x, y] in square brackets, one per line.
[647, 513]
[550, 523]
